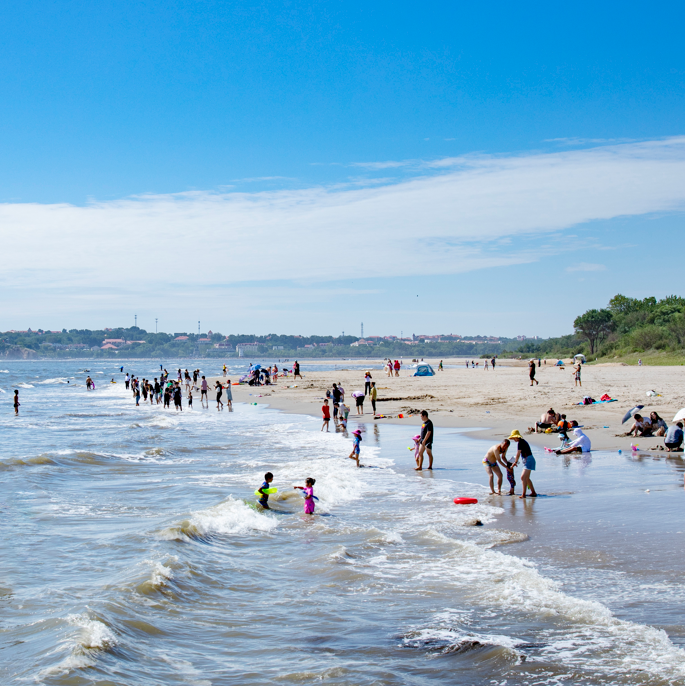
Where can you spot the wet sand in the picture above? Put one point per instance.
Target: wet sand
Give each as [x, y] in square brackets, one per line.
[492, 403]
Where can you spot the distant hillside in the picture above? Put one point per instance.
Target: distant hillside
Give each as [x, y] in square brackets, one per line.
[625, 328]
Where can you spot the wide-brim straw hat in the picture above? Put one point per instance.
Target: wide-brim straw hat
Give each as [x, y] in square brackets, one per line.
[515, 434]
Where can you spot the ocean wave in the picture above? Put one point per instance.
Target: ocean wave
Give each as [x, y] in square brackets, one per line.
[22, 384]
[92, 638]
[231, 517]
[26, 461]
[54, 381]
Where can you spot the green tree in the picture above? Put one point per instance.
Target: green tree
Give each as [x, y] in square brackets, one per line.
[595, 326]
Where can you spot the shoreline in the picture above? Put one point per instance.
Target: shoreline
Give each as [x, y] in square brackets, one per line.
[488, 404]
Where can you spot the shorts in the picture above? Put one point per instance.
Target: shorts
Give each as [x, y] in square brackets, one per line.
[529, 463]
[203, 392]
[360, 400]
[674, 446]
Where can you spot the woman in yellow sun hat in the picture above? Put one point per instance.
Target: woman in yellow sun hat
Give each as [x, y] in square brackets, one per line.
[525, 454]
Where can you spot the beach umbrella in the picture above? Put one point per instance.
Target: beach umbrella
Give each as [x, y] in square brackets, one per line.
[680, 415]
[631, 413]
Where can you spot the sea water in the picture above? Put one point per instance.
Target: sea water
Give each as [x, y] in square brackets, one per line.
[133, 552]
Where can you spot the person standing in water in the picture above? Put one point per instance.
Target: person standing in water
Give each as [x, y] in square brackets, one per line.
[308, 493]
[525, 454]
[16, 401]
[262, 490]
[219, 392]
[427, 432]
[229, 396]
[356, 446]
[326, 412]
[203, 392]
[492, 460]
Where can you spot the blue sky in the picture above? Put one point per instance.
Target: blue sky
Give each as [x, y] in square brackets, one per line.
[302, 167]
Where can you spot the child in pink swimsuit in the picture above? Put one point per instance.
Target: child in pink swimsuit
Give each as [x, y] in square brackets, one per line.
[308, 492]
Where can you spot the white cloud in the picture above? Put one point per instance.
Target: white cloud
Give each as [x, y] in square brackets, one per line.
[450, 219]
[586, 267]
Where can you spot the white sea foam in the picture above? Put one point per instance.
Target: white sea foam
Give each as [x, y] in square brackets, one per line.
[4, 371]
[57, 380]
[21, 384]
[231, 517]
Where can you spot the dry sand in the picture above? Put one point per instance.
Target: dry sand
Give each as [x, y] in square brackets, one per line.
[490, 402]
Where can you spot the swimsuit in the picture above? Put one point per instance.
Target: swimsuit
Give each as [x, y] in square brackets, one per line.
[308, 500]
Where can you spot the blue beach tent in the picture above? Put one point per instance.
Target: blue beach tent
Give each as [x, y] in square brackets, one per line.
[424, 370]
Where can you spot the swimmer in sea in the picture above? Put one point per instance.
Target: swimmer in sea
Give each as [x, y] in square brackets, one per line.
[16, 402]
[308, 492]
[264, 500]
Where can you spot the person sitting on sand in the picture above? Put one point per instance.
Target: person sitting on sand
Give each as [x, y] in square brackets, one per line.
[525, 454]
[547, 421]
[659, 426]
[674, 438]
[492, 460]
[640, 427]
[581, 444]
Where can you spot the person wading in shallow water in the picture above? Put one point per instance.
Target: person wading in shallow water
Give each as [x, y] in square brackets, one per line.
[16, 402]
[426, 442]
[525, 454]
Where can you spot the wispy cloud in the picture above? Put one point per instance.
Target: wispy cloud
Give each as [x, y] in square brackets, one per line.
[458, 215]
[586, 267]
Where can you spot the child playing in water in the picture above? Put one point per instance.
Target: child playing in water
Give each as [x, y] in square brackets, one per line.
[356, 441]
[326, 412]
[511, 478]
[264, 500]
[308, 492]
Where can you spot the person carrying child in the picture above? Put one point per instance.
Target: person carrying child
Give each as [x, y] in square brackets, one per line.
[308, 493]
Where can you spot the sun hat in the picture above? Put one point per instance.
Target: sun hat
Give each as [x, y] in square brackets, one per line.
[357, 432]
[515, 434]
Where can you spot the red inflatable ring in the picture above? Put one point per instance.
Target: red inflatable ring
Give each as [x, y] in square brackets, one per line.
[465, 501]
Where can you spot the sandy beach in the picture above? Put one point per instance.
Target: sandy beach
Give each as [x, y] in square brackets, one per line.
[492, 403]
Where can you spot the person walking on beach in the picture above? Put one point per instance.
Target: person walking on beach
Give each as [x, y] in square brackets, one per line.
[296, 370]
[427, 432]
[356, 446]
[203, 393]
[308, 493]
[367, 383]
[440, 368]
[16, 401]
[492, 460]
[373, 394]
[486, 366]
[531, 373]
[577, 369]
[525, 454]
[326, 412]
[397, 367]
